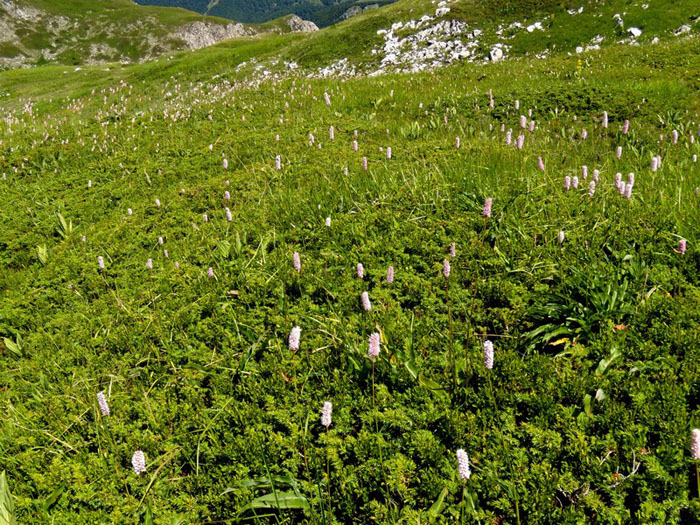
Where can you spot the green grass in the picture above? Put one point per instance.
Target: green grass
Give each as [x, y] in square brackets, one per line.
[133, 32]
[587, 413]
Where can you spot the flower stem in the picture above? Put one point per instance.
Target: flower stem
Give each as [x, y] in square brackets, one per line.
[328, 471]
[451, 348]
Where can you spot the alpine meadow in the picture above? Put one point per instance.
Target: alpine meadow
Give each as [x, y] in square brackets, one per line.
[438, 263]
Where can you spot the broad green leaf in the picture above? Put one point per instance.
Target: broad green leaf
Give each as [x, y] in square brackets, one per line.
[7, 507]
[13, 347]
[587, 404]
[279, 501]
[437, 507]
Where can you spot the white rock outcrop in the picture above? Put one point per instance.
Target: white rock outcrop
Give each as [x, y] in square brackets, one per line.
[298, 25]
[196, 35]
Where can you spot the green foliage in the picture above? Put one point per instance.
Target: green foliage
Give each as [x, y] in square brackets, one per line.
[590, 423]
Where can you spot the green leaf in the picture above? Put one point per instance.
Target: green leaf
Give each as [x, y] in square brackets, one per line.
[148, 520]
[429, 383]
[247, 355]
[437, 507]
[51, 500]
[605, 363]
[279, 501]
[223, 249]
[7, 508]
[42, 253]
[412, 369]
[14, 347]
[65, 228]
[238, 245]
[587, 404]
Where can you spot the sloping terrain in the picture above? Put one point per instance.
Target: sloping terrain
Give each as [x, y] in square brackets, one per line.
[321, 12]
[199, 252]
[34, 32]
[413, 35]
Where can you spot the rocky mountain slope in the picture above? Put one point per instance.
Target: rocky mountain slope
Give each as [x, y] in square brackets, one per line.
[34, 32]
[414, 35]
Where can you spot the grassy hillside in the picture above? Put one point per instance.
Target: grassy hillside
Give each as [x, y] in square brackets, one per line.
[78, 32]
[147, 252]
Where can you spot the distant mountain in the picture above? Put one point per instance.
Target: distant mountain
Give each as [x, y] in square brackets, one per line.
[35, 32]
[321, 12]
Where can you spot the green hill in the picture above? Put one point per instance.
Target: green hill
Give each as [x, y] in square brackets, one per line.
[166, 226]
[35, 32]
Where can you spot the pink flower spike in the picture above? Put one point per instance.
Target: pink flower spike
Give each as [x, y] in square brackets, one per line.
[488, 354]
[682, 246]
[102, 402]
[390, 275]
[294, 337]
[297, 262]
[138, 462]
[695, 444]
[487, 208]
[326, 414]
[366, 305]
[374, 343]
[463, 465]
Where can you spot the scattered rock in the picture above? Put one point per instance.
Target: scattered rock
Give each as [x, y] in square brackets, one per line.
[356, 10]
[496, 54]
[683, 29]
[353, 11]
[301, 26]
[196, 35]
[635, 32]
